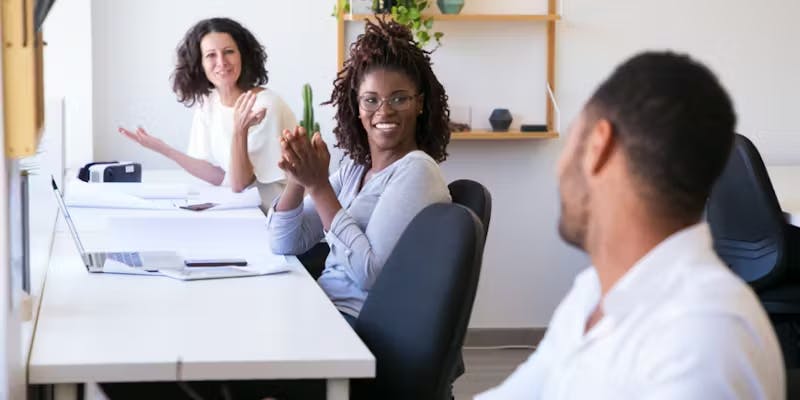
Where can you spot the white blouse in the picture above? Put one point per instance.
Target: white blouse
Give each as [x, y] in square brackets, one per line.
[212, 135]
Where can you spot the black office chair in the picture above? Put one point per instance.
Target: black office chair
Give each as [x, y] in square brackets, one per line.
[752, 236]
[750, 231]
[474, 196]
[477, 198]
[415, 317]
[793, 384]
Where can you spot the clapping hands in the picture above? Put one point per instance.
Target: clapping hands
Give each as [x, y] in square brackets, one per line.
[304, 161]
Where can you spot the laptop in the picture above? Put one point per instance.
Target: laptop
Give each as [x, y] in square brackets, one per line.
[134, 262]
[165, 263]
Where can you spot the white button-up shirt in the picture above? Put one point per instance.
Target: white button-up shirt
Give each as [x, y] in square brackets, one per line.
[678, 325]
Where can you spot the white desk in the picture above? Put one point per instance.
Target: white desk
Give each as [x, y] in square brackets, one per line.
[117, 328]
[786, 182]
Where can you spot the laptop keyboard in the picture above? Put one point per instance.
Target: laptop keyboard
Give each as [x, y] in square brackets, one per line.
[131, 259]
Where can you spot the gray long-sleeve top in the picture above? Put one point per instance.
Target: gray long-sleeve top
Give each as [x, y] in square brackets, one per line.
[367, 227]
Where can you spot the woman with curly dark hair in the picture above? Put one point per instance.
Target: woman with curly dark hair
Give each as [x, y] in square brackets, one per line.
[392, 119]
[237, 122]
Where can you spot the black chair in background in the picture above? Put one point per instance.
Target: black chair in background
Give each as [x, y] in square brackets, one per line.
[751, 233]
[474, 196]
[477, 198]
[465, 192]
[793, 384]
[752, 236]
[416, 315]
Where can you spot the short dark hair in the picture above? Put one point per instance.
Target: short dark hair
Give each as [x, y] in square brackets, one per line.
[675, 123]
[189, 81]
[389, 45]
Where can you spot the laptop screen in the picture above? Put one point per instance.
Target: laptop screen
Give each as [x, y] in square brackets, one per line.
[65, 213]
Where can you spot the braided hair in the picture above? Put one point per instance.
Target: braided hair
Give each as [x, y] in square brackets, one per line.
[390, 46]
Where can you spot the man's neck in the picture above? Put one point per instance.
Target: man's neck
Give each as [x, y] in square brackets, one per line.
[623, 237]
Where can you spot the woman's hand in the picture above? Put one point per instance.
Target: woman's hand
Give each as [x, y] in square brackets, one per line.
[244, 117]
[143, 138]
[305, 161]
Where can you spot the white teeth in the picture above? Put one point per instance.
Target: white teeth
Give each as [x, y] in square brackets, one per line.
[385, 125]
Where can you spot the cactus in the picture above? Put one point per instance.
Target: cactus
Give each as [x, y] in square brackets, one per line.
[308, 112]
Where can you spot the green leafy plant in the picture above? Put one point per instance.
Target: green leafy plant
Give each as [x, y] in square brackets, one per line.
[343, 5]
[308, 112]
[408, 13]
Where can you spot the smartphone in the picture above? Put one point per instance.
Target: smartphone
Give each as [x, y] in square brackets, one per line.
[215, 262]
[198, 207]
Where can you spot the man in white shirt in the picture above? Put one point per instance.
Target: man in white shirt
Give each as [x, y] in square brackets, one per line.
[658, 315]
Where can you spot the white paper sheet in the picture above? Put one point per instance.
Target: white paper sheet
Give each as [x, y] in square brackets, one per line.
[82, 194]
[147, 190]
[225, 199]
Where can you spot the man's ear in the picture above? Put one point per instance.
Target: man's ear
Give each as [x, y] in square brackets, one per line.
[600, 145]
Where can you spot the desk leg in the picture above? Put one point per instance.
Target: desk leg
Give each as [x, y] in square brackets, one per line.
[65, 391]
[338, 389]
[92, 391]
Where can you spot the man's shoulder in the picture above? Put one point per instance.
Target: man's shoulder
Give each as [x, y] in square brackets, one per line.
[709, 286]
[711, 311]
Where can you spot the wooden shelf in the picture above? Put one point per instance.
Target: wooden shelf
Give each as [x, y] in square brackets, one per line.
[549, 20]
[511, 135]
[471, 17]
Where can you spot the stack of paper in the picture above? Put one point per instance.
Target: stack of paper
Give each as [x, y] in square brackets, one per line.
[147, 190]
[224, 199]
[82, 194]
[157, 196]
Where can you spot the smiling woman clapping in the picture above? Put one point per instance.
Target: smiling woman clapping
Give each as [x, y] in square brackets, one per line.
[235, 132]
[392, 123]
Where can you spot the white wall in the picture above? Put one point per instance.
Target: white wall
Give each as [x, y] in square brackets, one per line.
[68, 74]
[751, 45]
[527, 269]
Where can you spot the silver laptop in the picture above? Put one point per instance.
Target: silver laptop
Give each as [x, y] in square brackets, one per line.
[135, 262]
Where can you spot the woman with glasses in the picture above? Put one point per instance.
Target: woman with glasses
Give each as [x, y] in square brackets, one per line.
[391, 119]
[237, 122]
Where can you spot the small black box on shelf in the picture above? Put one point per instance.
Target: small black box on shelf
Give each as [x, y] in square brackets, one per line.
[533, 128]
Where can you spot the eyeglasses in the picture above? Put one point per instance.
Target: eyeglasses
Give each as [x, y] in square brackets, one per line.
[398, 102]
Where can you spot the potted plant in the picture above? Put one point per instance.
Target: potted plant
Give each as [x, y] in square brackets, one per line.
[405, 12]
